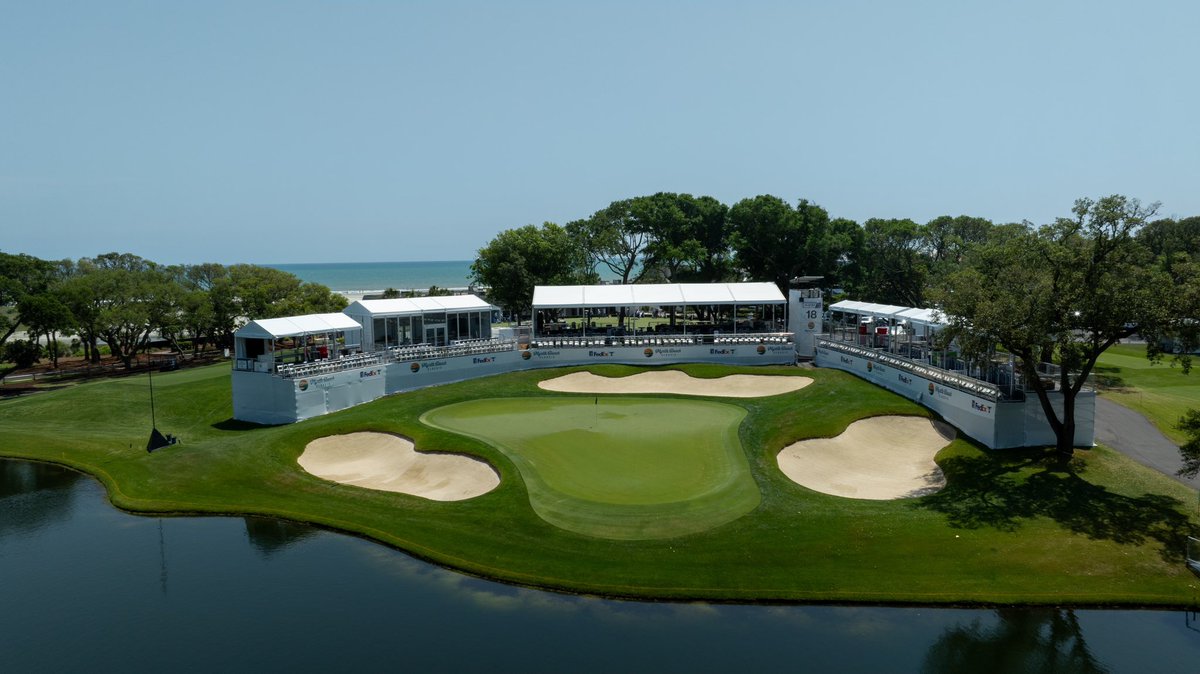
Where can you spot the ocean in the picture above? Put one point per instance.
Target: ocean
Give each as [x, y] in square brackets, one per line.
[358, 278]
[374, 277]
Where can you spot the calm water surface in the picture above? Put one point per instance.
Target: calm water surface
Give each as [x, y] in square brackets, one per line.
[84, 586]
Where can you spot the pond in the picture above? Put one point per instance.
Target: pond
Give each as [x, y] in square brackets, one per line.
[85, 586]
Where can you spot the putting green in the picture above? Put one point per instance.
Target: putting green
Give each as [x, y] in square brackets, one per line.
[614, 467]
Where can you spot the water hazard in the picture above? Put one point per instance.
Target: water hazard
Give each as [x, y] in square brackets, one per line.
[85, 586]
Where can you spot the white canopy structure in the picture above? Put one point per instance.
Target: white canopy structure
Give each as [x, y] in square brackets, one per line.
[268, 342]
[297, 326]
[417, 305]
[867, 308]
[550, 301]
[655, 295]
[438, 321]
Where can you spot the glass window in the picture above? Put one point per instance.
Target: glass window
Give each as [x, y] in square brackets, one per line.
[380, 334]
[475, 326]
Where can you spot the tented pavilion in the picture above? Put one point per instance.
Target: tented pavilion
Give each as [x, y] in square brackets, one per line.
[267, 343]
[731, 308]
[887, 326]
[435, 321]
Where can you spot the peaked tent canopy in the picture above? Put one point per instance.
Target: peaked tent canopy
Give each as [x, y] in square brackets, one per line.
[417, 305]
[656, 295]
[295, 326]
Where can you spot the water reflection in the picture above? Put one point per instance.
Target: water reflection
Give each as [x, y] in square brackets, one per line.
[34, 495]
[269, 535]
[1020, 640]
[265, 594]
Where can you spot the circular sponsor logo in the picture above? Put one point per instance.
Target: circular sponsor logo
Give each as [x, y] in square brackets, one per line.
[649, 352]
[303, 385]
[524, 355]
[811, 325]
[761, 349]
[931, 387]
[415, 367]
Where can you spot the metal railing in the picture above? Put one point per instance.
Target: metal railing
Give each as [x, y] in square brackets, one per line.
[373, 358]
[945, 377]
[661, 340]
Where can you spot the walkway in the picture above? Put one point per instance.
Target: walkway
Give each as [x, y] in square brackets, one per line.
[1131, 434]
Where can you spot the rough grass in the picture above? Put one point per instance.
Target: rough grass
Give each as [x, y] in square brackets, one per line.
[1011, 527]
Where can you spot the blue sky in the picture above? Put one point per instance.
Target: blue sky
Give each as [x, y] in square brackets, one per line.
[356, 131]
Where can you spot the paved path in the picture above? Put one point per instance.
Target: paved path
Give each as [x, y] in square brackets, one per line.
[1131, 434]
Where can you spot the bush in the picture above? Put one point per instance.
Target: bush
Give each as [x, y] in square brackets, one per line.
[22, 352]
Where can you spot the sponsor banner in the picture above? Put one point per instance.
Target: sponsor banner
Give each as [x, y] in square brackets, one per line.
[973, 415]
[734, 354]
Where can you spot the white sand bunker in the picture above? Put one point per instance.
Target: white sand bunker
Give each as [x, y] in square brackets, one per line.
[878, 458]
[391, 463]
[674, 381]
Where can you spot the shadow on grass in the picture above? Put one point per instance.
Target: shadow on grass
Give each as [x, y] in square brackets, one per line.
[1002, 491]
[1108, 376]
[232, 424]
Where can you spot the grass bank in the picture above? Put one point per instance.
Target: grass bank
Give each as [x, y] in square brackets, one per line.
[1009, 528]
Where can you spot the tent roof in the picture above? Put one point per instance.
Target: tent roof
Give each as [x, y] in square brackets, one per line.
[923, 316]
[292, 326]
[655, 294]
[915, 315]
[866, 308]
[418, 305]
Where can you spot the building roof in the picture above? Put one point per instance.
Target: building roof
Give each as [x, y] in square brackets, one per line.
[655, 295]
[866, 308]
[915, 315]
[417, 305]
[294, 326]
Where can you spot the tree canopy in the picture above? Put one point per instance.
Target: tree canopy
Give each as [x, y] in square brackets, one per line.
[121, 300]
[1061, 293]
[518, 259]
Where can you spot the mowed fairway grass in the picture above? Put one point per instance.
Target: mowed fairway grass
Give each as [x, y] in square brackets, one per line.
[618, 467]
[1010, 527]
[1160, 392]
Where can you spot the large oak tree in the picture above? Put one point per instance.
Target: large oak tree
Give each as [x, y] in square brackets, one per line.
[1062, 294]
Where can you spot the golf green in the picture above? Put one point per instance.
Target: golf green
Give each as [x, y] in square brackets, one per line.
[617, 467]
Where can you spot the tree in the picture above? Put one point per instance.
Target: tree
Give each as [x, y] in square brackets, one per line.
[22, 279]
[775, 242]
[1062, 293]
[615, 238]
[518, 259]
[688, 236]
[1189, 423]
[896, 268]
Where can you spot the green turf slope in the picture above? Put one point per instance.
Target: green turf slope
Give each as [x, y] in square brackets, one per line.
[618, 467]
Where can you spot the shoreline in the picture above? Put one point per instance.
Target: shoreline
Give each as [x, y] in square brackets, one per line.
[634, 597]
[807, 548]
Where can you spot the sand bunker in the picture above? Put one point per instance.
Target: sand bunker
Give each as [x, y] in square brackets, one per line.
[878, 458]
[391, 463]
[674, 381]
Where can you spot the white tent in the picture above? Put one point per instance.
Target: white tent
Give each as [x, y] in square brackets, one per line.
[296, 326]
[655, 295]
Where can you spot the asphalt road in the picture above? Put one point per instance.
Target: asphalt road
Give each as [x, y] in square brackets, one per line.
[1131, 434]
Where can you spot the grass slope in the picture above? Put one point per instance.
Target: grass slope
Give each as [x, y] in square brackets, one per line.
[627, 468]
[1009, 528]
[1161, 393]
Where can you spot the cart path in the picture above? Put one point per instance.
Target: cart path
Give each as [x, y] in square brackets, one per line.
[1134, 436]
